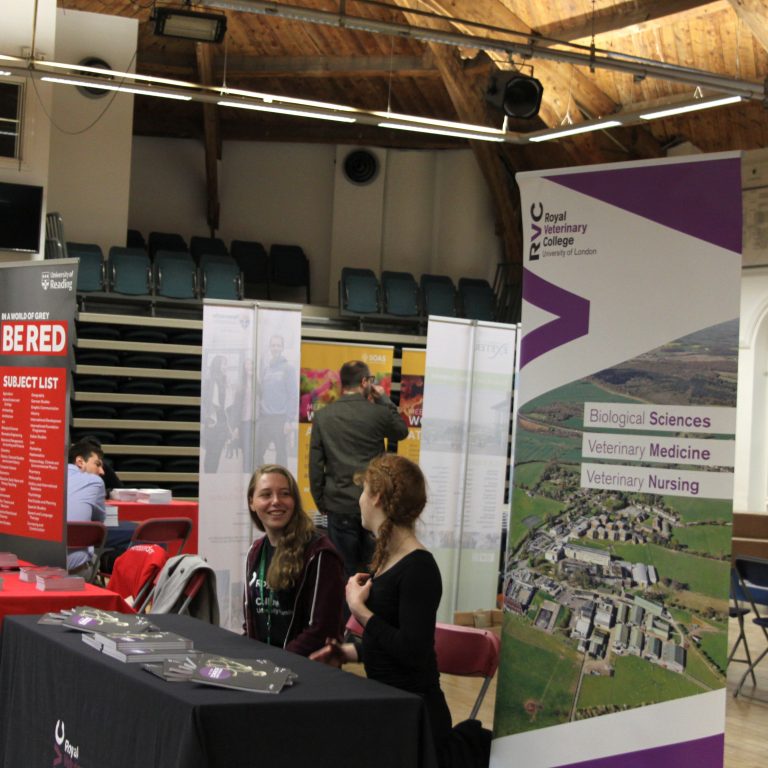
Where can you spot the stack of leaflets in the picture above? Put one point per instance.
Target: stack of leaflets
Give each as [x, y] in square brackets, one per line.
[8, 560]
[31, 572]
[87, 619]
[123, 494]
[154, 496]
[62, 582]
[255, 675]
[140, 646]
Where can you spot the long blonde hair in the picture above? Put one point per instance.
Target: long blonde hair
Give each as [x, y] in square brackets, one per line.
[402, 493]
[288, 561]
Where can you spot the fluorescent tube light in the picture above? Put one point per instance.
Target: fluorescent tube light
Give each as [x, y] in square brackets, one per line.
[448, 124]
[121, 88]
[287, 111]
[440, 131]
[573, 130]
[703, 104]
[270, 98]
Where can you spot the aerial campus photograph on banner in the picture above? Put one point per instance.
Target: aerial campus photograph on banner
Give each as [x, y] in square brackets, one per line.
[616, 579]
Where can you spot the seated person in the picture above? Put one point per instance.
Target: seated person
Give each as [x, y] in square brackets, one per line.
[397, 603]
[294, 592]
[85, 494]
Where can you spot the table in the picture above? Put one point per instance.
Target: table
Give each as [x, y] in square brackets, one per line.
[137, 511]
[119, 716]
[22, 597]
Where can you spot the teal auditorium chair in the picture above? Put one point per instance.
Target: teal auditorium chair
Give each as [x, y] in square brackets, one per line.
[91, 272]
[221, 277]
[359, 292]
[175, 275]
[253, 260]
[129, 271]
[476, 299]
[165, 241]
[400, 294]
[438, 295]
[288, 269]
[205, 246]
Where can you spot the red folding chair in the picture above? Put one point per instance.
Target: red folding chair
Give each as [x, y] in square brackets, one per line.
[170, 532]
[83, 535]
[468, 652]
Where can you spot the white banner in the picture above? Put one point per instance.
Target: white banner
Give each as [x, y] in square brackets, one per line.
[617, 571]
[250, 370]
[465, 433]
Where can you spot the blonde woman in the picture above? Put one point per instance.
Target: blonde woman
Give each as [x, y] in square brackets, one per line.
[294, 592]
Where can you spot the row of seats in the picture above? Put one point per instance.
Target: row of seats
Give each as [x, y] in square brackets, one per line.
[171, 274]
[262, 270]
[398, 295]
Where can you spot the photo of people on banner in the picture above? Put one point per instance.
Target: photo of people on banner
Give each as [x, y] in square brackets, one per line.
[319, 386]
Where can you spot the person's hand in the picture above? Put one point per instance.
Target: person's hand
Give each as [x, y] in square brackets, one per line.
[376, 392]
[357, 591]
[334, 654]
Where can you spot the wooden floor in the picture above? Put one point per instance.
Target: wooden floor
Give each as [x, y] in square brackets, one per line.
[746, 730]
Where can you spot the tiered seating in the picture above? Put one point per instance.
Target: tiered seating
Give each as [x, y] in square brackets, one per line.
[165, 241]
[221, 277]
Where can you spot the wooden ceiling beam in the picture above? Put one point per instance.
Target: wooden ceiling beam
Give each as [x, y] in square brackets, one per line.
[212, 138]
[754, 14]
[298, 66]
[630, 18]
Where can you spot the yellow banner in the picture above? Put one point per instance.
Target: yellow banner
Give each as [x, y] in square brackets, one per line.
[412, 400]
[319, 386]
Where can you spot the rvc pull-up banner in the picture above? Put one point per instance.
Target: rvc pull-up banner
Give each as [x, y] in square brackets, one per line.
[616, 582]
[37, 312]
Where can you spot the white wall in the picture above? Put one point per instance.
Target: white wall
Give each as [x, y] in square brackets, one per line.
[424, 212]
[90, 157]
[16, 32]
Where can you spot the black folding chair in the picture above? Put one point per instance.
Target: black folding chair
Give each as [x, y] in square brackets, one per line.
[751, 586]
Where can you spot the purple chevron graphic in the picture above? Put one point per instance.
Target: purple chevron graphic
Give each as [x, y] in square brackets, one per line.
[703, 753]
[571, 323]
[701, 199]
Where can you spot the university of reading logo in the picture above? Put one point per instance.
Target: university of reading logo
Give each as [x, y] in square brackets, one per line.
[66, 754]
[62, 280]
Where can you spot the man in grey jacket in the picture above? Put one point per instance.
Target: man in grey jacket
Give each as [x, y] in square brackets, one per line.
[346, 435]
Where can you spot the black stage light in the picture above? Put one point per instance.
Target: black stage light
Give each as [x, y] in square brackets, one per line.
[522, 97]
[203, 27]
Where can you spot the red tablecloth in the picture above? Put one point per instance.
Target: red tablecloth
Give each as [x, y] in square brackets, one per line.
[24, 597]
[138, 511]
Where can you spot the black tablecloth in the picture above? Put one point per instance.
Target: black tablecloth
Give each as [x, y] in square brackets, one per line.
[54, 687]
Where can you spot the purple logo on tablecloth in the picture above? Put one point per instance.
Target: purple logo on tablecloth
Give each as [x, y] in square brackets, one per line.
[66, 754]
[215, 673]
[85, 620]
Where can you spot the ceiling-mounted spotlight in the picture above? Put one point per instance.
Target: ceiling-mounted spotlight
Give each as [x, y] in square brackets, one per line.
[191, 25]
[522, 97]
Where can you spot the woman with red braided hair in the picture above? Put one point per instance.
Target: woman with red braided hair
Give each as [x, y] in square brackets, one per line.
[397, 602]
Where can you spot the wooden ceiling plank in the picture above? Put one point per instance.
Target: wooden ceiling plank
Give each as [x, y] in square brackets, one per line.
[754, 14]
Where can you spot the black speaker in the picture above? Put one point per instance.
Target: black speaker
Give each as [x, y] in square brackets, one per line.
[522, 97]
[361, 166]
